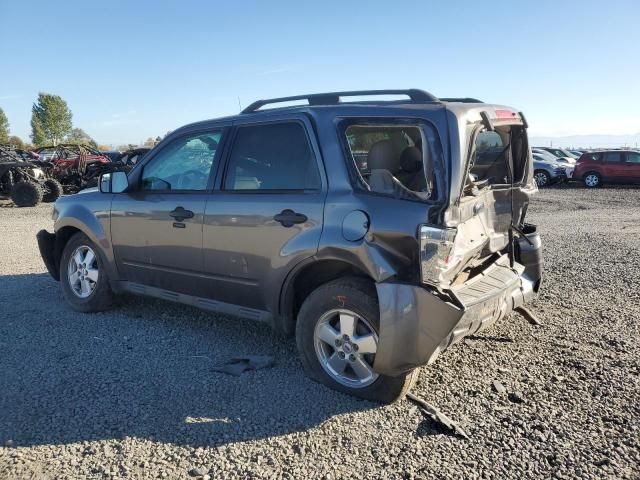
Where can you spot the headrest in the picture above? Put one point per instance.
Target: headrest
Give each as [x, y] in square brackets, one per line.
[382, 157]
[411, 160]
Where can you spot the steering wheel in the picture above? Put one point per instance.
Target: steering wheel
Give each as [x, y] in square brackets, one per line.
[189, 183]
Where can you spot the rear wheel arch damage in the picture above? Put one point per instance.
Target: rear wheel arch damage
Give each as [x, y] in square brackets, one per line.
[307, 279]
[337, 338]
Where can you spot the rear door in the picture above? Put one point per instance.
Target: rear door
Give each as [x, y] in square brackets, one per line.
[156, 227]
[632, 166]
[267, 215]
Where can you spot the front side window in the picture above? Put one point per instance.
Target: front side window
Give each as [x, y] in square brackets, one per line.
[274, 156]
[183, 165]
[612, 157]
[392, 160]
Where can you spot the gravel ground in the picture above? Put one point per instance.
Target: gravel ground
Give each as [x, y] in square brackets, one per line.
[131, 393]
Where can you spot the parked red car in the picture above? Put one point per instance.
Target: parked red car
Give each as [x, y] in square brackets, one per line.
[608, 166]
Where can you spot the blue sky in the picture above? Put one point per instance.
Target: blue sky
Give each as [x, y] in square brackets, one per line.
[130, 70]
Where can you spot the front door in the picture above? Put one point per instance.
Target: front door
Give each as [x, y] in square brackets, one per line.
[613, 166]
[267, 215]
[156, 226]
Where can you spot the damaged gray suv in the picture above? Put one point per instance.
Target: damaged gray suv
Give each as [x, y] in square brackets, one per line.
[378, 227]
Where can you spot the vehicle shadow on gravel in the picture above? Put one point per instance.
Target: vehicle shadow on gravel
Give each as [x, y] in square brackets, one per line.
[144, 370]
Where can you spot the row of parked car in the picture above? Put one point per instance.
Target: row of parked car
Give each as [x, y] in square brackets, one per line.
[591, 167]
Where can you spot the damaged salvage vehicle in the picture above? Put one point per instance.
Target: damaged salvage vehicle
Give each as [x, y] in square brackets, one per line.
[377, 231]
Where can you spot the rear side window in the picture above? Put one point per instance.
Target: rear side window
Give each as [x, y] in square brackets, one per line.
[274, 156]
[391, 159]
[613, 157]
[633, 157]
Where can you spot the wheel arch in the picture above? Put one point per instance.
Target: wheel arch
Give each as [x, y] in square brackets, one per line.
[303, 280]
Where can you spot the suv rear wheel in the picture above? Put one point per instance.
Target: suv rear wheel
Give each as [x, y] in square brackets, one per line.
[84, 281]
[337, 337]
[592, 180]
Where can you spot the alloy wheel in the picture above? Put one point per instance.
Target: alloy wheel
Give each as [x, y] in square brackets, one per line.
[346, 346]
[541, 179]
[82, 271]
[591, 180]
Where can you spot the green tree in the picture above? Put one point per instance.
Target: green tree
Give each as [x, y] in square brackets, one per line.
[16, 142]
[4, 127]
[80, 137]
[50, 120]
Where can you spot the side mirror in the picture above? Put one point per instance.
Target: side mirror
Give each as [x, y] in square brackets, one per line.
[115, 182]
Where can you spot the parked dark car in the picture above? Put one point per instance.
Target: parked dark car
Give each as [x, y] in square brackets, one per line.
[376, 265]
[608, 166]
[547, 171]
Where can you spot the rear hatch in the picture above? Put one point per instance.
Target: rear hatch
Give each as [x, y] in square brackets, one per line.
[489, 192]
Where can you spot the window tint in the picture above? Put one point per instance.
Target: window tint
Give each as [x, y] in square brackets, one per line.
[391, 159]
[633, 157]
[272, 157]
[184, 164]
[613, 157]
[489, 162]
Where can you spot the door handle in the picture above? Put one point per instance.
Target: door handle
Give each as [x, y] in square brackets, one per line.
[288, 218]
[180, 214]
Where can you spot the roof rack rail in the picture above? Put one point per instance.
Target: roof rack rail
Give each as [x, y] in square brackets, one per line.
[333, 98]
[462, 100]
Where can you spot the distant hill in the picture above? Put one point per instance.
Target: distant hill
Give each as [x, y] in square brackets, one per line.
[587, 141]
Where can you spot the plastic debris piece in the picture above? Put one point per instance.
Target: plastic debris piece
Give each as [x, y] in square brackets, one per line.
[238, 365]
[437, 416]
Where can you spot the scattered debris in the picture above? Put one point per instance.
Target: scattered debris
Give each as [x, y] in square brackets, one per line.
[238, 365]
[196, 472]
[498, 387]
[437, 416]
[528, 315]
[516, 397]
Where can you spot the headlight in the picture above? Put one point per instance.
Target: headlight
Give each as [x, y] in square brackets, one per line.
[436, 253]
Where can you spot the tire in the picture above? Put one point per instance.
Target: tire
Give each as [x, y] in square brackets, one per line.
[97, 296]
[52, 190]
[324, 307]
[592, 180]
[26, 194]
[542, 178]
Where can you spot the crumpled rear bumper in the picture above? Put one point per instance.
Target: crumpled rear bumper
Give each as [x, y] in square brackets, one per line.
[416, 324]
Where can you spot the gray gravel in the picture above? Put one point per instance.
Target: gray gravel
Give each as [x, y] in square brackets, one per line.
[131, 393]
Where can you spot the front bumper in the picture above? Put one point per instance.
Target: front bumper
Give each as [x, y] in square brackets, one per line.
[47, 246]
[416, 324]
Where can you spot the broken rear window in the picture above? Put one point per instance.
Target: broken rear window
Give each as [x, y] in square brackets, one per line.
[391, 159]
[500, 156]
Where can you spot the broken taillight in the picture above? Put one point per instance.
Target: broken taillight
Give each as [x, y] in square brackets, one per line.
[437, 253]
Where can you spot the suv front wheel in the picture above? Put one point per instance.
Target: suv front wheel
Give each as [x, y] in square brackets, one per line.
[84, 281]
[592, 180]
[337, 337]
